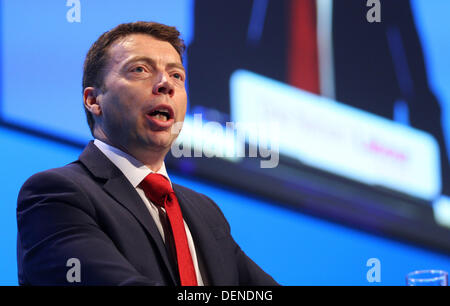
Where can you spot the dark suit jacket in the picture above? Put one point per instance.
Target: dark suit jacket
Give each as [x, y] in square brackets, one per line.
[88, 210]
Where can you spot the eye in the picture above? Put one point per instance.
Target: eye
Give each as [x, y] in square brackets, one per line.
[138, 69]
[178, 76]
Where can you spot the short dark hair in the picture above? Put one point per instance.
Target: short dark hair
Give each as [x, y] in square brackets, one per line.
[97, 56]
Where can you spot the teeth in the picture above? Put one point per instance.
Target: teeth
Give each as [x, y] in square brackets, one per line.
[163, 110]
[162, 114]
[161, 117]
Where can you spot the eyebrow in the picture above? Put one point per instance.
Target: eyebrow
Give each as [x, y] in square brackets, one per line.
[152, 62]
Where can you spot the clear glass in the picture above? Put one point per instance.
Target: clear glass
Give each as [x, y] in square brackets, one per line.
[427, 278]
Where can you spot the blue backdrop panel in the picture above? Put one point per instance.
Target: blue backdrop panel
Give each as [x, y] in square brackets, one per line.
[43, 55]
[430, 17]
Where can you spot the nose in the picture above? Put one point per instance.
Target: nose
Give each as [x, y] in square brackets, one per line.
[163, 86]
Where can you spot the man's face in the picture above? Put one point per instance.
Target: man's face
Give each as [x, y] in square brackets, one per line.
[143, 94]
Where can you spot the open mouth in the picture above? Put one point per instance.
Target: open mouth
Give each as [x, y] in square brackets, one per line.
[161, 117]
[162, 113]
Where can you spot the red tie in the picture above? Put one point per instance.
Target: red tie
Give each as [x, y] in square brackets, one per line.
[303, 52]
[157, 188]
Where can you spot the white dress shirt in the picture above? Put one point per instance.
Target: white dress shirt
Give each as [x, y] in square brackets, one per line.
[135, 172]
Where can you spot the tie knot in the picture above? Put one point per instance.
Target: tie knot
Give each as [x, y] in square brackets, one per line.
[156, 188]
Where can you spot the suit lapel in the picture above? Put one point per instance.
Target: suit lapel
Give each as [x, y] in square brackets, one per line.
[123, 192]
[204, 239]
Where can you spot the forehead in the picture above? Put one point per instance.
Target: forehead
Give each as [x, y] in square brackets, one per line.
[142, 45]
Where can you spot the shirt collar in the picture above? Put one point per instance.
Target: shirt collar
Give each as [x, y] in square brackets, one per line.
[134, 170]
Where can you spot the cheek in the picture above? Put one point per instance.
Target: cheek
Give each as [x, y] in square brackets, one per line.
[119, 113]
[114, 108]
[181, 106]
[123, 100]
[182, 111]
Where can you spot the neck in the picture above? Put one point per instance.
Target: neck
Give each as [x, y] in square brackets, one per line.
[151, 158]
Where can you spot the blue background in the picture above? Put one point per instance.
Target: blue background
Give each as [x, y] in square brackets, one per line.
[41, 89]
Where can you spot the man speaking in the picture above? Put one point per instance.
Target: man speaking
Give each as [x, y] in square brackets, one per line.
[115, 211]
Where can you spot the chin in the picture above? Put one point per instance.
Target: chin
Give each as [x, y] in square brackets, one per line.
[159, 142]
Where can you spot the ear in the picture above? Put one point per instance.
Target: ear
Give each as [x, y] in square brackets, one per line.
[91, 102]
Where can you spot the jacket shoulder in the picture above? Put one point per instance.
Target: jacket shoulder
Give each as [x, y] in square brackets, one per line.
[193, 195]
[68, 172]
[201, 201]
[62, 181]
